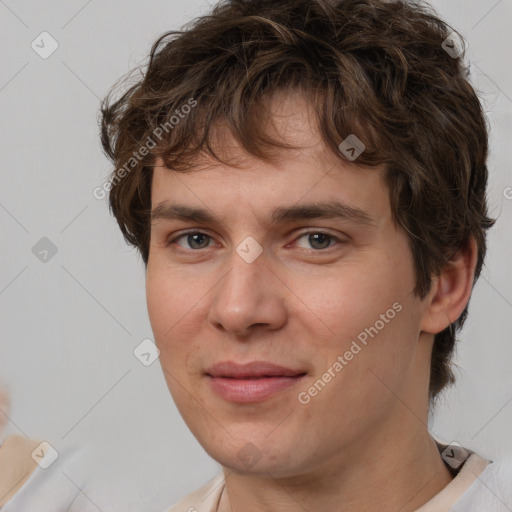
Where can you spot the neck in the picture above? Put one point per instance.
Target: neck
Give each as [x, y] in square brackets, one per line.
[383, 473]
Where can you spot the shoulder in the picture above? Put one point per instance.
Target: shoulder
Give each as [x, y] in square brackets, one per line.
[492, 489]
[204, 499]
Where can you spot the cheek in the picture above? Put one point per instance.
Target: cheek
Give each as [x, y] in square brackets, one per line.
[171, 313]
[365, 313]
[171, 305]
[345, 301]
[160, 303]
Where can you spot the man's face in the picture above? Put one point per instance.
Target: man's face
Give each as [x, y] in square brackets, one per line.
[324, 290]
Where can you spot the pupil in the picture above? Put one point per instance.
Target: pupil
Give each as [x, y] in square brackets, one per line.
[319, 237]
[192, 242]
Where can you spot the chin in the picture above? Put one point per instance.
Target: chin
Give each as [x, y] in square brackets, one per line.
[253, 455]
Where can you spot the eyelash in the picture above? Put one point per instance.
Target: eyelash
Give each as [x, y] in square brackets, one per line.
[305, 233]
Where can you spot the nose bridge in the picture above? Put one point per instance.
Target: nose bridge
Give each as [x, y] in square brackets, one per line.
[243, 283]
[246, 296]
[247, 262]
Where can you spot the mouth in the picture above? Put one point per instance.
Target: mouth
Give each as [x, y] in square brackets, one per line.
[251, 382]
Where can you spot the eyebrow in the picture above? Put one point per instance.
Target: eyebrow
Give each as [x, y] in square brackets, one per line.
[281, 215]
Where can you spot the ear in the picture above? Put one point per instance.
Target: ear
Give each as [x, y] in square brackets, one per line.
[451, 290]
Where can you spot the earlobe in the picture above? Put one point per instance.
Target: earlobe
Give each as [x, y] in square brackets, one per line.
[451, 290]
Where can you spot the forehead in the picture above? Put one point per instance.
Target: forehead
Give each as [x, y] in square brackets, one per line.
[307, 173]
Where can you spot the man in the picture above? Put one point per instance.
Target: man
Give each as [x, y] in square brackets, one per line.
[305, 181]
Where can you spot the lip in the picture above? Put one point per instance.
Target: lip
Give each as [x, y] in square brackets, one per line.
[254, 369]
[251, 382]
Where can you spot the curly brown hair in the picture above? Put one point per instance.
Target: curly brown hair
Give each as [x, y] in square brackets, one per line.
[378, 69]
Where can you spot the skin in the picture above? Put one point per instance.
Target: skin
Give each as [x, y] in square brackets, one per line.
[362, 442]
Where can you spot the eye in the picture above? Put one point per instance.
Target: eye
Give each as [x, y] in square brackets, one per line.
[194, 240]
[318, 239]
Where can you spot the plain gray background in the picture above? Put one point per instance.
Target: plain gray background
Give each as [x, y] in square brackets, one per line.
[70, 324]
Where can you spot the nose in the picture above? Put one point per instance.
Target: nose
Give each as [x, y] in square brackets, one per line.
[251, 296]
